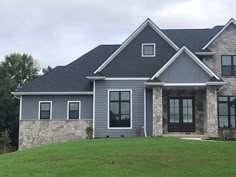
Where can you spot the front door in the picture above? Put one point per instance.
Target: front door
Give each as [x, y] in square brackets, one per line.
[181, 116]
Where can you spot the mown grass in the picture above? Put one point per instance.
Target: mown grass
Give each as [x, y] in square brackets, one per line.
[121, 157]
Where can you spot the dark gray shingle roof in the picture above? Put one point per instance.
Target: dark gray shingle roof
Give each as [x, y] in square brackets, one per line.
[72, 77]
[194, 39]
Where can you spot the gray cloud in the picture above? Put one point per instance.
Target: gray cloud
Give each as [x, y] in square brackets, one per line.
[58, 31]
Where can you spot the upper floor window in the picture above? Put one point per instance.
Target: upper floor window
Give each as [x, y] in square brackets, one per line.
[148, 50]
[45, 110]
[228, 65]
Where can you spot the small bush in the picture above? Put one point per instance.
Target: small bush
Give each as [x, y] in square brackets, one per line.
[89, 132]
[5, 141]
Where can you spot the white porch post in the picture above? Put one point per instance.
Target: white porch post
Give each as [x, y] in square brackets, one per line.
[157, 111]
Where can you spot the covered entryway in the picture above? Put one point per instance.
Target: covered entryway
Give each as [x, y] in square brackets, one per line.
[181, 114]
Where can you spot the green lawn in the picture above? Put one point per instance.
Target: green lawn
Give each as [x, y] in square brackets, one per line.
[122, 157]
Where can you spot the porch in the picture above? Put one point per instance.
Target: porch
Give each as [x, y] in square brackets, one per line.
[182, 111]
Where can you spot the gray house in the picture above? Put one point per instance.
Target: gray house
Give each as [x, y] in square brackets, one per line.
[158, 82]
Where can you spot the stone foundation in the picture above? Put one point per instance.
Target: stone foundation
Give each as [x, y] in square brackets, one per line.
[38, 132]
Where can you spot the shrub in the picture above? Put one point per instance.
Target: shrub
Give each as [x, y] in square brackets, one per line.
[5, 140]
[89, 132]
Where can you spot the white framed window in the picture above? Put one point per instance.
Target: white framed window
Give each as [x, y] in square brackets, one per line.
[148, 50]
[45, 110]
[119, 109]
[73, 110]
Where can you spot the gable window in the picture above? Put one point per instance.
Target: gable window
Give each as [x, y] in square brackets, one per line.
[148, 50]
[228, 65]
[73, 110]
[45, 108]
[227, 111]
[119, 109]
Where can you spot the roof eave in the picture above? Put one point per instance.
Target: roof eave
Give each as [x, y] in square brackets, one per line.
[53, 93]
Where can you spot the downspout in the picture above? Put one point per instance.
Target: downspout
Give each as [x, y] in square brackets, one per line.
[94, 108]
[145, 114]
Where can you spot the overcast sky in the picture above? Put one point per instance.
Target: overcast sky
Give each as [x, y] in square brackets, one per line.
[56, 32]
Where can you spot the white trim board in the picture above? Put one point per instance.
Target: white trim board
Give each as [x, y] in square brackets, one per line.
[154, 49]
[184, 84]
[20, 113]
[68, 109]
[192, 56]
[131, 37]
[50, 109]
[94, 97]
[108, 109]
[231, 21]
[126, 78]
[52, 93]
[145, 112]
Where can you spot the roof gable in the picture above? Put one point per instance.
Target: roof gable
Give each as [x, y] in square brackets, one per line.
[184, 70]
[191, 56]
[131, 37]
[130, 62]
[231, 21]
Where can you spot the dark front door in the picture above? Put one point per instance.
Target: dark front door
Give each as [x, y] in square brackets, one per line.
[181, 116]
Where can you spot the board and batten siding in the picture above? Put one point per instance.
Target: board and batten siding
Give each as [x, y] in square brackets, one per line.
[30, 106]
[101, 109]
[184, 70]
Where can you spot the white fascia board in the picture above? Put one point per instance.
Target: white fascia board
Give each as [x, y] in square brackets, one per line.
[52, 93]
[126, 78]
[215, 83]
[192, 56]
[154, 83]
[205, 53]
[95, 77]
[131, 37]
[219, 33]
[184, 84]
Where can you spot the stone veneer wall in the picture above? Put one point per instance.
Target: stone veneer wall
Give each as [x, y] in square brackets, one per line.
[211, 128]
[224, 45]
[37, 132]
[200, 107]
[157, 111]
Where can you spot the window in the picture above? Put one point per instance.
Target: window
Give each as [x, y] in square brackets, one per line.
[148, 50]
[73, 110]
[45, 108]
[228, 65]
[174, 110]
[119, 109]
[226, 111]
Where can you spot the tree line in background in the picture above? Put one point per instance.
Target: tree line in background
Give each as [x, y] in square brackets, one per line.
[16, 70]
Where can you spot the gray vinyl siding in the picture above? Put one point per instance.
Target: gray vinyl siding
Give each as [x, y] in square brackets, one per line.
[149, 111]
[101, 109]
[184, 70]
[30, 106]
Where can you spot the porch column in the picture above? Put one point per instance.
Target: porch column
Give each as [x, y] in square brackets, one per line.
[157, 123]
[211, 123]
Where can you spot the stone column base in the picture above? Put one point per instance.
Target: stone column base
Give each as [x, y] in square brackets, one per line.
[157, 112]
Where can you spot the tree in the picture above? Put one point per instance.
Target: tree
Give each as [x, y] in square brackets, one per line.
[45, 70]
[16, 70]
[5, 140]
